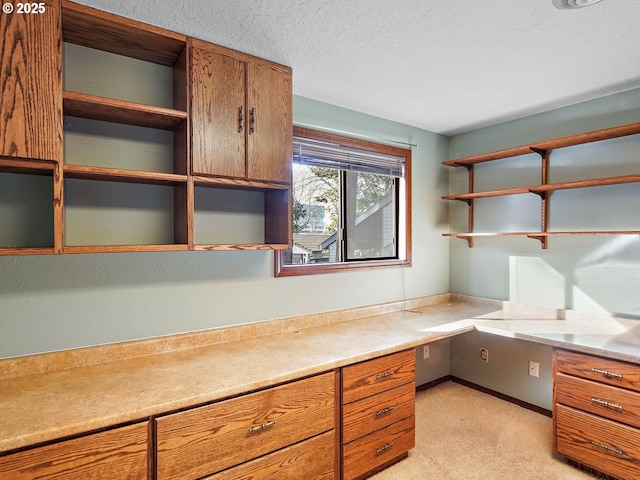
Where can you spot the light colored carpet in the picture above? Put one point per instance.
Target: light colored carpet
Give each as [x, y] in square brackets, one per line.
[463, 434]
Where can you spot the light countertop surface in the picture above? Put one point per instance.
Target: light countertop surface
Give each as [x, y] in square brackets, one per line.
[44, 406]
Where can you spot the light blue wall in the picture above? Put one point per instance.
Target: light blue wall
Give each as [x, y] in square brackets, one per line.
[599, 273]
[58, 302]
[594, 273]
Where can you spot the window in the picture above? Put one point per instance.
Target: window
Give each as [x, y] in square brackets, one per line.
[351, 205]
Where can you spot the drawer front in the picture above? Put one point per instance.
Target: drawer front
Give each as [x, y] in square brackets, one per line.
[377, 411]
[374, 376]
[206, 440]
[613, 372]
[378, 448]
[600, 399]
[120, 453]
[607, 446]
[313, 459]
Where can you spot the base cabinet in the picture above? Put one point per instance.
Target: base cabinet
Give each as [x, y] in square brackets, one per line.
[596, 415]
[378, 413]
[237, 433]
[119, 453]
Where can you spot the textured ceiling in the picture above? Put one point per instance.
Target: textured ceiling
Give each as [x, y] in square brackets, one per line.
[447, 66]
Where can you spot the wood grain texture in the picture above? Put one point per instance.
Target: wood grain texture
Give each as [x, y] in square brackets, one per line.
[606, 401]
[310, 460]
[581, 365]
[270, 127]
[546, 145]
[84, 249]
[95, 107]
[209, 439]
[277, 217]
[218, 95]
[550, 187]
[120, 453]
[616, 450]
[31, 78]
[123, 175]
[374, 376]
[239, 247]
[367, 453]
[112, 33]
[377, 411]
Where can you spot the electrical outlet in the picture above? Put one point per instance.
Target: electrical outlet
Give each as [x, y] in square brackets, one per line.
[534, 369]
[425, 352]
[484, 355]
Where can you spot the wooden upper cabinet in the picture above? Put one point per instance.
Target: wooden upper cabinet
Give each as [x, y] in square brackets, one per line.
[217, 114]
[31, 78]
[270, 129]
[241, 116]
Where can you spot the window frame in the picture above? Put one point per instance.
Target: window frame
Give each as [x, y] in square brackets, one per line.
[282, 270]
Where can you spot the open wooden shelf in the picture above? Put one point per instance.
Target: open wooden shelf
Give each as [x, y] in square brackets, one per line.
[41, 167]
[543, 149]
[106, 109]
[228, 248]
[547, 145]
[112, 33]
[119, 188]
[550, 187]
[541, 234]
[122, 175]
[124, 248]
[238, 183]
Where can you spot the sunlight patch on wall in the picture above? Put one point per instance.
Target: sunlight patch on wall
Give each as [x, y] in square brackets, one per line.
[533, 282]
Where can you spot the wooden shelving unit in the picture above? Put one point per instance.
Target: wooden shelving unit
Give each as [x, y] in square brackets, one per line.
[75, 178]
[543, 149]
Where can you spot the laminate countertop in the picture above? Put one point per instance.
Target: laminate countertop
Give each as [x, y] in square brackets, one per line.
[49, 397]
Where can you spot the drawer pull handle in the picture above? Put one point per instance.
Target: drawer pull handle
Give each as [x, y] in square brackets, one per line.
[384, 448]
[607, 373]
[384, 375]
[240, 119]
[262, 426]
[607, 448]
[604, 403]
[383, 411]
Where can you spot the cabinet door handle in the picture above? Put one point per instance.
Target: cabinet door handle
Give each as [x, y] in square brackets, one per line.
[383, 411]
[604, 403]
[252, 120]
[607, 447]
[607, 373]
[384, 448]
[262, 426]
[240, 119]
[385, 375]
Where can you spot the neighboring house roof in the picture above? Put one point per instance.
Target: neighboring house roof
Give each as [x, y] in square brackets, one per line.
[311, 242]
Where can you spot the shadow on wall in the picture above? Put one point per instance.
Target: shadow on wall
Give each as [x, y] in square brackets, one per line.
[604, 280]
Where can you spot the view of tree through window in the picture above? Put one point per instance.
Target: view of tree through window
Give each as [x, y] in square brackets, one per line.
[349, 204]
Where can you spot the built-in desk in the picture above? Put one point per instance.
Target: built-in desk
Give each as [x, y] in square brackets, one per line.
[65, 394]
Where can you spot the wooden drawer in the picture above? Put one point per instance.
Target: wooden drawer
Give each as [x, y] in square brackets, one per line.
[206, 440]
[604, 445]
[600, 399]
[382, 446]
[374, 376]
[313, 459]
[377, 411]
[613, 372]
[119, 453]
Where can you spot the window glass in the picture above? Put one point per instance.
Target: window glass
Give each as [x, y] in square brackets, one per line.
[350, 205]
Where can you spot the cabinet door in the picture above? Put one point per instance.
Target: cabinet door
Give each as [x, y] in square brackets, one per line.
[217, 110]
[270, 134]
[31, 78]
